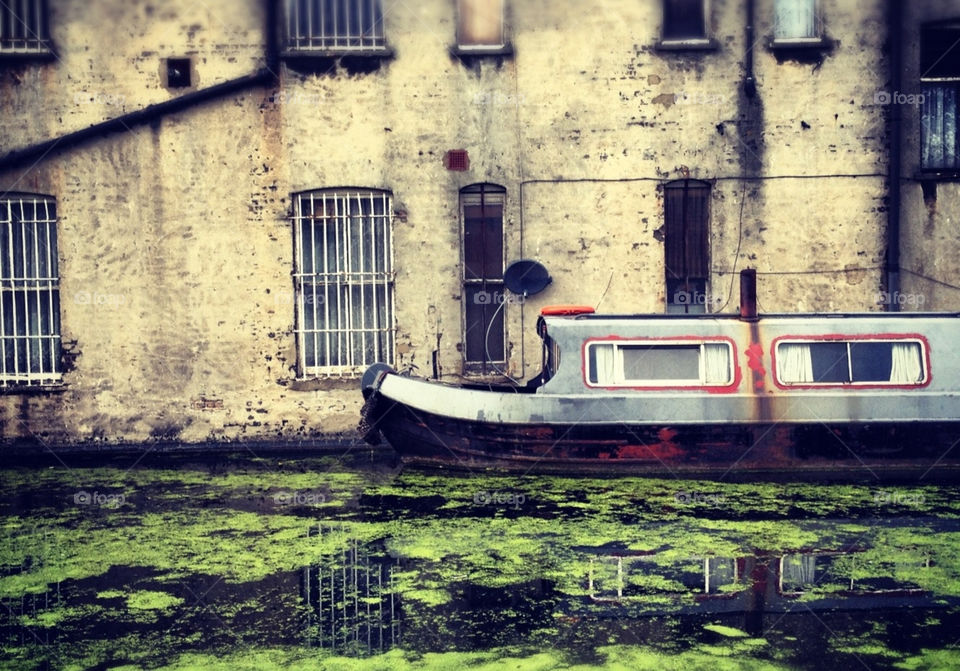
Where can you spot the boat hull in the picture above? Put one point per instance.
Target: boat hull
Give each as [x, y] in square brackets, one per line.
[731, 451]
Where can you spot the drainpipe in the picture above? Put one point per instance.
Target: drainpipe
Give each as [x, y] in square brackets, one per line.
[892, 266]
[749, 83]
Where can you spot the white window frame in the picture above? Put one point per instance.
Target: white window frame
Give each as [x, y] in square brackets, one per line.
[816, 38]
[29, 364]
[24, 27]
[620, 380]
[307, 29]
[924, 362]
[328, 293]
[468, 46]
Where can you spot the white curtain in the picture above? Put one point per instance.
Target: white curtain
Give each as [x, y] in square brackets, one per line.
[798, 571]
[794, 363]
[716, 363]
[795, 19]
[906, 365]
[605, 361]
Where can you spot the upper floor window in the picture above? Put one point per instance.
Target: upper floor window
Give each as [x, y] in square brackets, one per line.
[686, 245]
[29, 291]
[343, 280]
[24, 27]
[480, 25]
[796, 21]
[940, 77]
[684, 22]
[873, 362]
[484, 335]
[335, 25]
[660, 364]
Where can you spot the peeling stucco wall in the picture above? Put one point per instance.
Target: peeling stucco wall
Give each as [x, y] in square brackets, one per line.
[176, 246]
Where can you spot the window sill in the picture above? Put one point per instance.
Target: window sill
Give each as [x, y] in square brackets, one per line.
[33, 389]
[21, 56]
[370, 52]
[799, 43]
[464, 51]
[691, 44]
[941, 175]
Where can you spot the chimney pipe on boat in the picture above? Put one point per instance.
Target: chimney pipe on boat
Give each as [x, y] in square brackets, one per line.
[748, 294]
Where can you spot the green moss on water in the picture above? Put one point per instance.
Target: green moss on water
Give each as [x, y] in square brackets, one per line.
[150, 600]
[729, 632]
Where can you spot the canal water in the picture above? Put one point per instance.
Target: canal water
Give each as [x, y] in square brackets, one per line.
[350, 562]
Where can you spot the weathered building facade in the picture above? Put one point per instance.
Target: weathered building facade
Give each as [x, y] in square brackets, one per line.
[214, 216]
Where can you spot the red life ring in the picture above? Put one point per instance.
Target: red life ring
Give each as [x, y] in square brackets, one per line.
[566, 310]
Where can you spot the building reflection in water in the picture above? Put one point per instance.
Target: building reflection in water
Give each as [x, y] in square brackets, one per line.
[352, 605]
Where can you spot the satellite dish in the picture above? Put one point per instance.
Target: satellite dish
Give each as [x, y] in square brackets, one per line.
[526, 277]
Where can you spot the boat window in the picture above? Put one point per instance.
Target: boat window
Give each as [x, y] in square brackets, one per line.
[874, 362]
[659, 364]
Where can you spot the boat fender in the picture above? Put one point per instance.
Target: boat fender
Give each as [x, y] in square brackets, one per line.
[371, 412]
[566, 310]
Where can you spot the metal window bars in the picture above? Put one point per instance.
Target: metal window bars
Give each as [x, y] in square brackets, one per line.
[335, 25]
[29, 292]
[24, 27]
[343, 280]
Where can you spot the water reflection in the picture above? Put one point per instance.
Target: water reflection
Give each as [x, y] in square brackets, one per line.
[352, 606]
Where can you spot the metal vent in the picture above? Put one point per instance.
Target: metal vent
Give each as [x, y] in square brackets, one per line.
[457, 159]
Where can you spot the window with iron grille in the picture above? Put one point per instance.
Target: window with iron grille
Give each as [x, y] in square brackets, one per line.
[480, 24]
[335, 25]
[796, 21]
[29, 291]
[484, 336]
[343, 280]
[940, 77]
[24, 27]
[686, 244]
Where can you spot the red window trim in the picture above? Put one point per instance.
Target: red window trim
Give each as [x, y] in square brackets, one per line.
[711, 388]
[836, 337]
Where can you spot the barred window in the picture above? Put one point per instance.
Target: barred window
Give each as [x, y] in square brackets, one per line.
[343, 280]
[940, 77]
[24, 27]
[29, 291]
[335, 25]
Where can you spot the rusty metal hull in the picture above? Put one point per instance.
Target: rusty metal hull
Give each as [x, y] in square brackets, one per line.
[868, 452]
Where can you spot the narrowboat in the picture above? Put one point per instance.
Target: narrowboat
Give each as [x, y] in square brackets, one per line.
[870, 395]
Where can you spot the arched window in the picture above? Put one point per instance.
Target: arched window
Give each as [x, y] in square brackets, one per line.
[343, 280]
[686, 244]
[29, 291]
[484, 337]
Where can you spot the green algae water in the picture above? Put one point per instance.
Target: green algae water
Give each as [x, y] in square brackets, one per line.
[354, 563]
